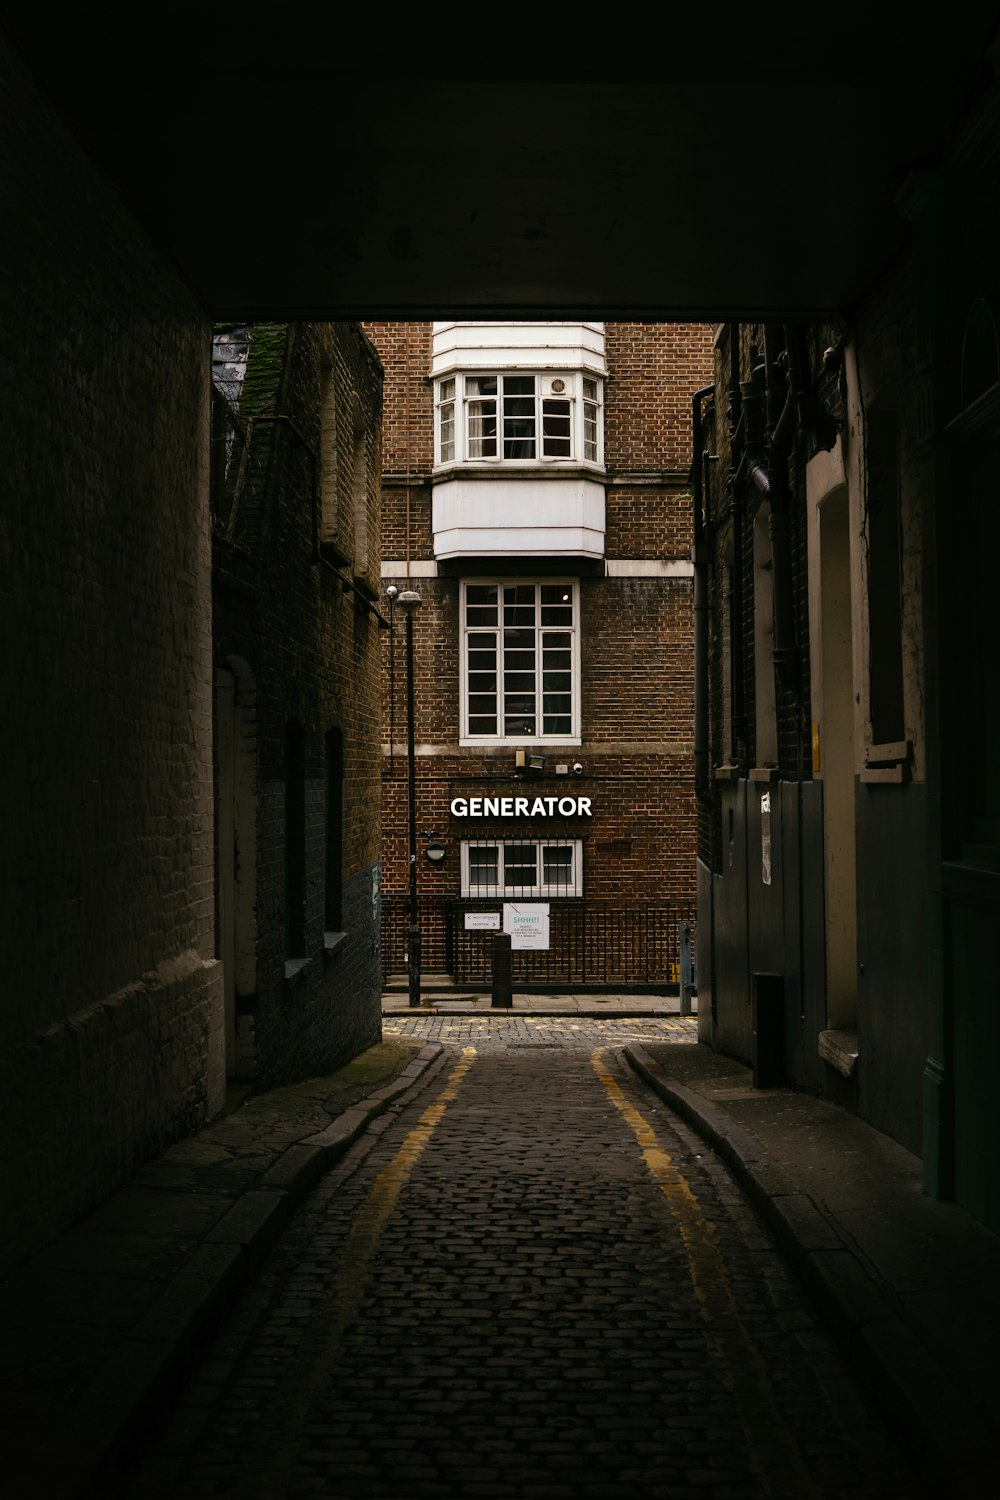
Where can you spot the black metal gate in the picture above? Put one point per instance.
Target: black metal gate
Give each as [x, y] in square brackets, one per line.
[592, 944]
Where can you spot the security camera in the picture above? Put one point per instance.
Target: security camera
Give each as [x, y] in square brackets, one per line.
[577, 768]
[391, 591]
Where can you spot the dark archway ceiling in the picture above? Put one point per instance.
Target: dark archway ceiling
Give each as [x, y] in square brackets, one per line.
[697, 162]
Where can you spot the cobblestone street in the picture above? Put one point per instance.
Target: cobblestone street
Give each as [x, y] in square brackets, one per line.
[528, 1280]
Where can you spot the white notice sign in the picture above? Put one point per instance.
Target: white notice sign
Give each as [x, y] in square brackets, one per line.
[528, 923]
[482, 921]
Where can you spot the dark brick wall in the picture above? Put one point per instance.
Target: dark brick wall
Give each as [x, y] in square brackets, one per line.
[288, 611]
[111, 1041]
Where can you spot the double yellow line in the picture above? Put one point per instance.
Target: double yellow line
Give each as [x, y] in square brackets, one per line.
[289, 1409]
[744, 1371]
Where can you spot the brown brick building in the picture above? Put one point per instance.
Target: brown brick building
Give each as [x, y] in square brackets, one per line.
[296, 459]
[536, 495]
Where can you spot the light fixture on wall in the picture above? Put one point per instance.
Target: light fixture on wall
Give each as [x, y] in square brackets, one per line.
[528, 764]
[435, 852]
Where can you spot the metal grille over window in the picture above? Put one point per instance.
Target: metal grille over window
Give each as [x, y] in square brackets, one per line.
[518, 869]
[519, 659]
[238, 467]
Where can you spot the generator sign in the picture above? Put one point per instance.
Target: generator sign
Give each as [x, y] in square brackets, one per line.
[520, 807]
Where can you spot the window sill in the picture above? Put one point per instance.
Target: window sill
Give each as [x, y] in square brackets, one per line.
[332, 941]
[887, 764]
[727, 773]
[839, 1049]
[295, 972]
[885, 775]
[768, 774]
[519, 744]
[490, 468]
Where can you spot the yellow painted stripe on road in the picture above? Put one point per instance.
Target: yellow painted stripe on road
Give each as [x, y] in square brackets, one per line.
[784, 1476]
[279, 1437]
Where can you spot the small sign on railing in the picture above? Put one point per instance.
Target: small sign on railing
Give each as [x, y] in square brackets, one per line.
[482, 921]
[528, 924]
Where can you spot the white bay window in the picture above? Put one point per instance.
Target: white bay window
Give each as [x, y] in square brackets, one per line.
[518, 417]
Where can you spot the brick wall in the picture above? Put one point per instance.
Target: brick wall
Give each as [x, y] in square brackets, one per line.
[405, 352]
[111, 1023]
[636, 634]
[289, 613]
[653, 371]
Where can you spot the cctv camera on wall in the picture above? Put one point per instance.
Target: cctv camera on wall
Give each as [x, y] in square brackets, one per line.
[577, 768]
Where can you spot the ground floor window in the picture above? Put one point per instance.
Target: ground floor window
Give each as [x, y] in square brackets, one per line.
[518, 868]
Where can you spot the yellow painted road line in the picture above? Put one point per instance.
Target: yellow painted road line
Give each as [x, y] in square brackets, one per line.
[279, 1438]
[744, 1370]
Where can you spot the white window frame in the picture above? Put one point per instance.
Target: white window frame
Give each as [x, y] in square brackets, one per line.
[465, 631]
[583, 391]
[539, 891]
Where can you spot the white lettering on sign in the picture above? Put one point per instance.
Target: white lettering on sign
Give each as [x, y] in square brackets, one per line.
[521, 807]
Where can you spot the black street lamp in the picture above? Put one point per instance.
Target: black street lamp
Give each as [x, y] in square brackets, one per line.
[409, 603]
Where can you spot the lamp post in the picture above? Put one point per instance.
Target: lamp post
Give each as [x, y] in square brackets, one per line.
[409, 603]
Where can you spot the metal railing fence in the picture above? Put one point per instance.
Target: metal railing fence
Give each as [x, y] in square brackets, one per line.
[591, 943]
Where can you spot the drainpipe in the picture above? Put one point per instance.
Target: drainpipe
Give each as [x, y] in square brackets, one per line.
[699, 557]
[737, 434]
[779, 441]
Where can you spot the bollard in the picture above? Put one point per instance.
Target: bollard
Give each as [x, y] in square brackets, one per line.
[686, 976]
[502, 983]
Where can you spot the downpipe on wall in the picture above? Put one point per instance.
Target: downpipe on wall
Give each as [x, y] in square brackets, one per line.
[699, 557]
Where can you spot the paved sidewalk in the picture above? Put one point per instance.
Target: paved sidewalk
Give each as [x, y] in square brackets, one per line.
[101, 1324]
[448, 1002]
[909, 1286]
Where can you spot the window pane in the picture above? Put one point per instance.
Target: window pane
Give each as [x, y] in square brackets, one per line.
[557, 593]
[482, 429]
[447, 390]
[520, 865]
[481, 608]
[590, 433]
[480, 385]
[447, 434]
[518, 661]
[483, 865]
[557, 865]
[519, 406]
[516, 725]
[518, 442]
[519, 385]
[556, 429]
